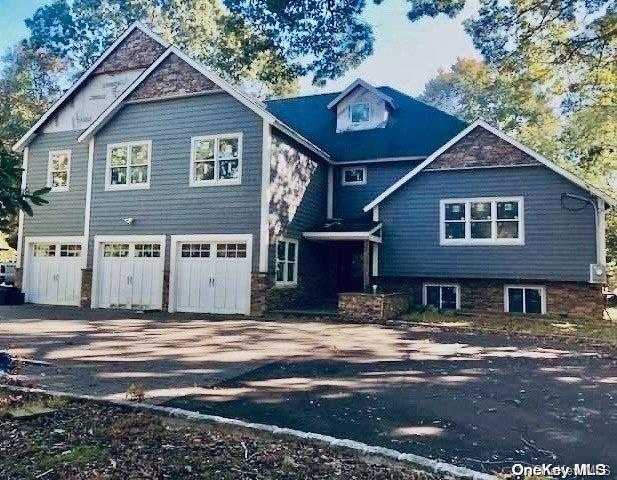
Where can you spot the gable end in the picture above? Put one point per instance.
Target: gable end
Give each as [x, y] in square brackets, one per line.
[137, 51]
[481, 149]
[172, 77]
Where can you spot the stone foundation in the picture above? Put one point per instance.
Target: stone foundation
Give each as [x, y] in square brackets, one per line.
[571, 299]
[259, 289]
[86, 287]
[367, 307]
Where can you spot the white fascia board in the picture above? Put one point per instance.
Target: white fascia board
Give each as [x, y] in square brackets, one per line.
[25, 139]
[116, 104]
[480, 123]
[362, 83]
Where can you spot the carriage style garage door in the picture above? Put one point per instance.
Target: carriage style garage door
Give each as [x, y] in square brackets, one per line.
[53, 272]
[129, 273]
[211, 276]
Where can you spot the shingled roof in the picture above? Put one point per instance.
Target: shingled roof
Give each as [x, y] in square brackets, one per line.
[414, 129]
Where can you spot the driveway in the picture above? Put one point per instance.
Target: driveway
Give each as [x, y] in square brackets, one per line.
[480, 400]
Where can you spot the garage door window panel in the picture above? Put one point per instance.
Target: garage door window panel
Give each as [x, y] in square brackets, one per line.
[147, 250]
[44, 250]
[70, 250]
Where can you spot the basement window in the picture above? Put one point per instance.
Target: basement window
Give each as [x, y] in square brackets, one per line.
[525, 299]
[442, 296]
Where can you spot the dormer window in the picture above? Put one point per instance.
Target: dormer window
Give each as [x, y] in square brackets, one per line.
[360, 112]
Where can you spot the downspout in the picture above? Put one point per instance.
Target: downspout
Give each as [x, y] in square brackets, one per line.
[598, 223]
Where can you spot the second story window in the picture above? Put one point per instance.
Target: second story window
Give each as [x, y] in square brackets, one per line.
[216, 159]
[360, 112]
[353, 176]
[128, 166]
[482, 221]
[58, 171]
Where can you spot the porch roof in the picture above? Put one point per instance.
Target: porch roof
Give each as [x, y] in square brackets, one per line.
[346, 229]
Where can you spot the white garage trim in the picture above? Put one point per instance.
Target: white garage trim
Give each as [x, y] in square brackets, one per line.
[100, 239]
[173, 259]
[29, 241]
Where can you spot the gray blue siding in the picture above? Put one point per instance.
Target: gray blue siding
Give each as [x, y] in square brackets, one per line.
[559, 244]
[350, 199]
[64, 215]
[170, 206]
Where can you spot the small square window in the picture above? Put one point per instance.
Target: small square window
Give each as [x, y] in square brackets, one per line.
[354, 176]
[216, 159]
[128, 165]
[360, 112]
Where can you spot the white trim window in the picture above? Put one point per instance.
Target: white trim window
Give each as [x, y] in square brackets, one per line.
[482, 221]
[59, 170]
[360, 112]
[528, 299]
[286, 262]
[353, 176]
[442, 296]
[216, 160]
[128, 165]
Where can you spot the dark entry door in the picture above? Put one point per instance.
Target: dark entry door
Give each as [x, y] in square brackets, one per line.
[346, 270]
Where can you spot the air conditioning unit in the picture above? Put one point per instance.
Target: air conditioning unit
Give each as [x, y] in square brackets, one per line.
[597, 273]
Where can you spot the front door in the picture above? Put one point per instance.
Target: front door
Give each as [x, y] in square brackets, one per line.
[346, 267]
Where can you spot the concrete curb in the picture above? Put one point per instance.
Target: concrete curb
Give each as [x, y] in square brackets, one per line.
[434, 465]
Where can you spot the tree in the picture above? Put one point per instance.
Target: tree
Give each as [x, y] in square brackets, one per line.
[321, 38]
[26, 86]
[471, 89]
[78, 32]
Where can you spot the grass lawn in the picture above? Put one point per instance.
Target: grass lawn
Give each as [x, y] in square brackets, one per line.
[89, 440]
[600, 331]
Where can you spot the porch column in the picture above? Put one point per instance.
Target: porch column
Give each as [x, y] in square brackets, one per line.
[366, 264]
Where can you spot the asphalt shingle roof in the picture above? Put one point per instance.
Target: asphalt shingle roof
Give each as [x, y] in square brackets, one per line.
[413, 129]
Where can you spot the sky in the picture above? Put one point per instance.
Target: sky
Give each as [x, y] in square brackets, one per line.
[406, 55]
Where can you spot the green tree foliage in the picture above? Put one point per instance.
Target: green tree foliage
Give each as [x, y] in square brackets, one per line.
[78, 32]
[324, 38]
[26, 86]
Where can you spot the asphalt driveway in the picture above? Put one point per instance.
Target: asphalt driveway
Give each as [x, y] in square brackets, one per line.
[480, 400]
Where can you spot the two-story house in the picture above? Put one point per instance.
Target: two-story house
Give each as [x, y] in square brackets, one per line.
[171, 189]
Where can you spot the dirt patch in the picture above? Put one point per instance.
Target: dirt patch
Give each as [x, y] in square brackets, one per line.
[89, 440]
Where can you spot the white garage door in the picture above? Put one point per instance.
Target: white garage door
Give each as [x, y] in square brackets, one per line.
[54, 273]
[130, 275]
[212, 277]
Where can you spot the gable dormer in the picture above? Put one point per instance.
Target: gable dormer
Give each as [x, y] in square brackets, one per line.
[361, 107]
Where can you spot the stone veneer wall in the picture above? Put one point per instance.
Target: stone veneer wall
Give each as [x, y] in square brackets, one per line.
[86, 287]
[173, 77]
[137, 51]
[481, 148]
[572, 299]
[372, 308]
[259, 290]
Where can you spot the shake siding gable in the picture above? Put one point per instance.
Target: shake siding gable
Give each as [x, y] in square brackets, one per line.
[559, 244]
[170, 206]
